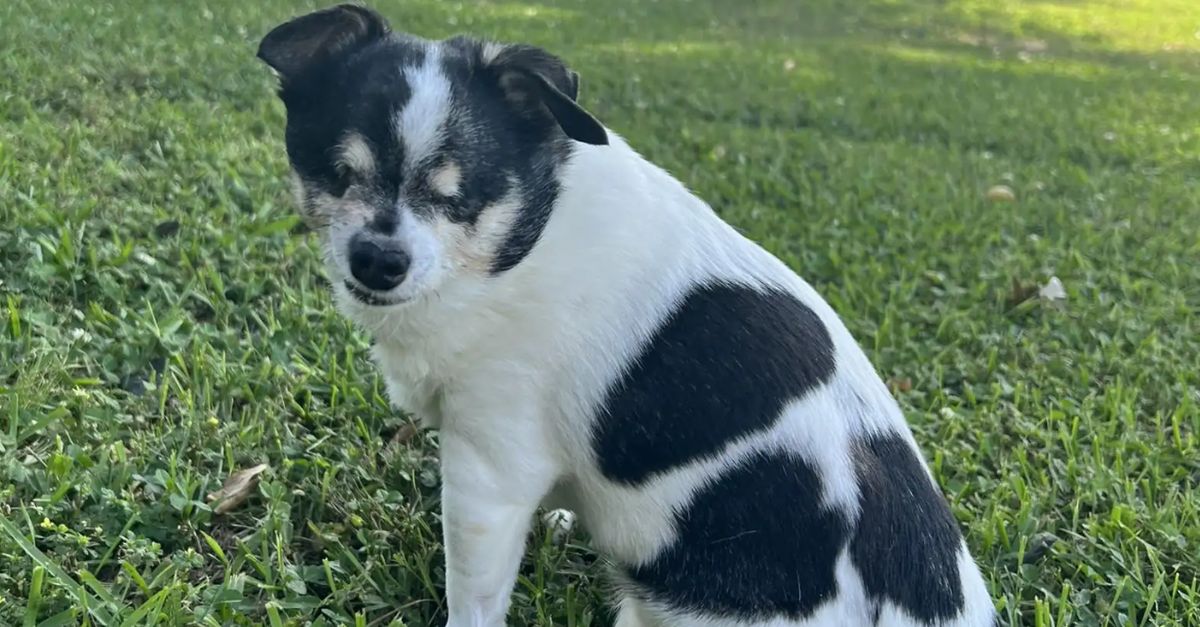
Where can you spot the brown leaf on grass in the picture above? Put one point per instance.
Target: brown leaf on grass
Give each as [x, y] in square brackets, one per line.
[1033, 45]
[1001, 193]
[1039, 546]
[899, 385]
[1019, 293]
[403, 435]
[166, 229]
[237, 487]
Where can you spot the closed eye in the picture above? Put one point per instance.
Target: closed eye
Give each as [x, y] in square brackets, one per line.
[354, 162]
[446, 179]
[343, 178]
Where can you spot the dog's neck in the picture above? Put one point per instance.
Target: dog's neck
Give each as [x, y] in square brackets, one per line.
[621, 230]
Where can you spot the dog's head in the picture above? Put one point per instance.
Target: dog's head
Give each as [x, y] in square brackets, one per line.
[421, 160]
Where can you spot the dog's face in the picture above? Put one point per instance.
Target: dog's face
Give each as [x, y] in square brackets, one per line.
[418, 161]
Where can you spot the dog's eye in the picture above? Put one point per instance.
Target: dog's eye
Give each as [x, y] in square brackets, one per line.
[343, 178]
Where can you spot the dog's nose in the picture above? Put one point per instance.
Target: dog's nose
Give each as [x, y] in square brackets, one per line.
[377, 266]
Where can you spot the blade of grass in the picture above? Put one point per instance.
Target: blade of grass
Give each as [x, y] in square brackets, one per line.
[153, 605]
[97, 611]
[35, 597]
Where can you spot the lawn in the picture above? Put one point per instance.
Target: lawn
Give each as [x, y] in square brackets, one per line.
[165, 324]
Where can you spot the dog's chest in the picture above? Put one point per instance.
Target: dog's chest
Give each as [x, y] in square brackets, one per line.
[414, 353]
[410, 385]
[461, 350]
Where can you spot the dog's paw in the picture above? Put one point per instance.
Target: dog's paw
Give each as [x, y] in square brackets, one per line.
[560, 522]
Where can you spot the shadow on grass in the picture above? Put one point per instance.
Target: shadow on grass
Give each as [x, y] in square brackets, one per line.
[987, 85]
[1063, 30]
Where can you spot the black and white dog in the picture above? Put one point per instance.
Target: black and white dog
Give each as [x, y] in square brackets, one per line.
[589, 335]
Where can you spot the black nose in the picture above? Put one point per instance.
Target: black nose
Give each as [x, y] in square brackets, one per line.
[377, 266]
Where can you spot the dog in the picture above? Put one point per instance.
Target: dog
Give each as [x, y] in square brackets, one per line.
[587, 334]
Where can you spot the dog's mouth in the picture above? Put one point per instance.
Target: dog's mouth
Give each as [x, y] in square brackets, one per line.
[367, 297]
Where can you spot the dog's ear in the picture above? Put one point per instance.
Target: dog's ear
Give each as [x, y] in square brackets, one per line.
[293, 47]
[538, 81]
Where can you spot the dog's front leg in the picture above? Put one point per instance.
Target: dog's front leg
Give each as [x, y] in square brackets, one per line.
[491, 486]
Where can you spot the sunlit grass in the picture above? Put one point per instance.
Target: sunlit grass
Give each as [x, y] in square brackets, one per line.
[1145, 26]
[161, 326]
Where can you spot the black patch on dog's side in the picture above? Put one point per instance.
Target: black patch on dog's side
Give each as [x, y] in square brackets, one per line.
[907, 542]
[754, 544]
[721, 367]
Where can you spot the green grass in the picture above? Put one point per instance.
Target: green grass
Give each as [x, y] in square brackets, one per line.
[164, 326]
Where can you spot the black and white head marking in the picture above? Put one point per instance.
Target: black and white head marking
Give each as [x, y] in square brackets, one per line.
[418, 160]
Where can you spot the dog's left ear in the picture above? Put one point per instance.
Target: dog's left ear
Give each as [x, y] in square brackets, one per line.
[305, 42]
[537, 80]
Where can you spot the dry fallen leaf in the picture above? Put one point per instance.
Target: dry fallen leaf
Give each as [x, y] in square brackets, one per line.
[1039, 545]
[900, 385]
[1001, 193]
[1019, 292]
[403, 435]
[1034, 45]
[237, 487]
[1053, 291]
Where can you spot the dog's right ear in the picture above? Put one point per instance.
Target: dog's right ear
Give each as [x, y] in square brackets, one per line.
[303, 43]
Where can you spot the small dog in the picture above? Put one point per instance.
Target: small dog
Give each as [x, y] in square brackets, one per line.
[589, 335]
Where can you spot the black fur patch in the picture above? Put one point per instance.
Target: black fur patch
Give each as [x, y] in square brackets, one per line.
[721, 367]
[360, 93]
[754, 544]
[498, 143]
[540, 190]
[907, 543]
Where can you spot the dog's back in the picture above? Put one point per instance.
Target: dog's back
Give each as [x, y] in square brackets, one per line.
[731, 447]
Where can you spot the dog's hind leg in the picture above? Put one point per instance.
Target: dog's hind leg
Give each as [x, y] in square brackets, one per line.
[632, 614]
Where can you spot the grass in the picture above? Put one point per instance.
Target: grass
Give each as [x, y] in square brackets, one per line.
[163, 325]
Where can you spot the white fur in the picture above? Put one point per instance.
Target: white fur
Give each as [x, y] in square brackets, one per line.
[561, 523]
[446, 179]
[354, 153]
[490, 51]
[421, 123]
[512, 367]
[299, 190]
